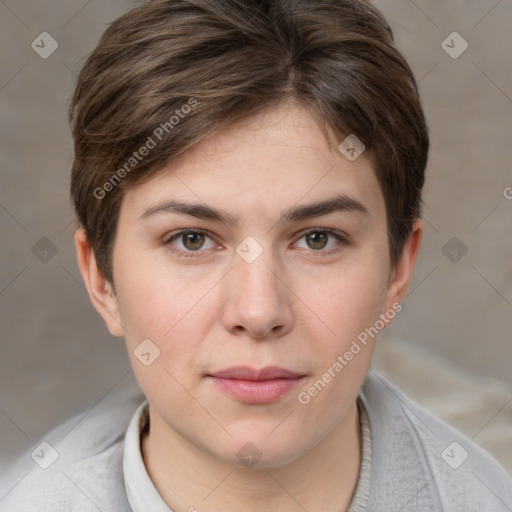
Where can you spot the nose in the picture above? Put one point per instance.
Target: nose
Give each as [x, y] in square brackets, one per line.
[258, 302]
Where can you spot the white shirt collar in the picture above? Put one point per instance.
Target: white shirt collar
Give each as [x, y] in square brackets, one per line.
[140, 490]
[143, 496]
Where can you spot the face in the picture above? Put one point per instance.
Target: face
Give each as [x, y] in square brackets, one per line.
[222, 262]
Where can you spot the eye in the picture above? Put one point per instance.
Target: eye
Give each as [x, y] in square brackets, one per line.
[189, 241]
[319, 239]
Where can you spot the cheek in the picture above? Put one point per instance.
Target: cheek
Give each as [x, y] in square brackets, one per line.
[173, 309]
[155, 298]
[348, 300]
[349, 304]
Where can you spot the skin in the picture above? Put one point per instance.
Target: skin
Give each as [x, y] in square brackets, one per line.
[292, 307]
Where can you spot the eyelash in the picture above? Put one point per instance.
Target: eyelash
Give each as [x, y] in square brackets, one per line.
[194, 254]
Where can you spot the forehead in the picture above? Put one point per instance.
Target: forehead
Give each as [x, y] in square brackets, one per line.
[263, 163]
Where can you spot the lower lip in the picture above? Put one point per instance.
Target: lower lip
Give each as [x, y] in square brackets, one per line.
[256, 391]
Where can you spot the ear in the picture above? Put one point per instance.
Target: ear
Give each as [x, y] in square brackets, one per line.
[401, 273]
[99, 289]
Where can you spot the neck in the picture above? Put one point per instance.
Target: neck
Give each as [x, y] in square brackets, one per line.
[190, 479]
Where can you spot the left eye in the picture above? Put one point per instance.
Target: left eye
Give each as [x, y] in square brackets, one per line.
[319, 239]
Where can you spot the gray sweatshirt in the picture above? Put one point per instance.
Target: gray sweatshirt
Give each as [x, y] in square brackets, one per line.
[412, 462]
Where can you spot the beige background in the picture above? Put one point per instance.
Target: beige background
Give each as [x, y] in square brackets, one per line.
[450, 348]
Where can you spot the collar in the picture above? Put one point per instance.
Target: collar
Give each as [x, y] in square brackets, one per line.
[140, 490]
[142, 494]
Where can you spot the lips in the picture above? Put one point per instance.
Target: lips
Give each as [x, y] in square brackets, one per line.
[255, 386]
[247, 373]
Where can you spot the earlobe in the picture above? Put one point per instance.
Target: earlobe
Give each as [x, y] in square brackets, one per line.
[402, 272]
[99, 289]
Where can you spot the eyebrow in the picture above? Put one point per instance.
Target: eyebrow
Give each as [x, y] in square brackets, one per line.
[341, 203]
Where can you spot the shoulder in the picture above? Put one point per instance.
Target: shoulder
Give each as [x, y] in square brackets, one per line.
[424, 464]
[77, 466]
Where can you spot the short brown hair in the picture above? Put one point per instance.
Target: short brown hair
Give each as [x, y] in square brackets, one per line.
[228, 59]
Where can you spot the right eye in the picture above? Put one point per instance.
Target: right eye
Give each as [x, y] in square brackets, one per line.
[190, 241]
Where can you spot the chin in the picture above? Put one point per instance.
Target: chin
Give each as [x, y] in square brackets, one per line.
[259, 452]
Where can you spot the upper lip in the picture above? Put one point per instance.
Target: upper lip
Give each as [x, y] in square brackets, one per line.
[248, 373]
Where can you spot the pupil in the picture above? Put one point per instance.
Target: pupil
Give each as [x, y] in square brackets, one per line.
[196, 240]
[318, 240]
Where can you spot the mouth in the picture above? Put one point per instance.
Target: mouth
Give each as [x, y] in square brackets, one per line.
[255, 386]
